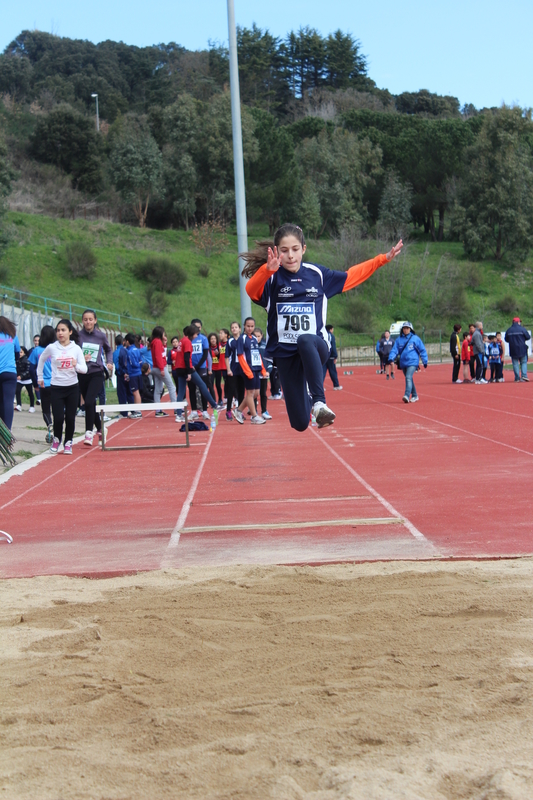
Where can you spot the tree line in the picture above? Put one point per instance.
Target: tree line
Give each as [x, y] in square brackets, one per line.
[322, 144]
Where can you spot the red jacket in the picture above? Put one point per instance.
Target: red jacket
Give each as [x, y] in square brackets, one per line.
[159, 354]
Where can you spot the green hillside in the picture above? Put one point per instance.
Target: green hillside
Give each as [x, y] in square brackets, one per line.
[432, 283]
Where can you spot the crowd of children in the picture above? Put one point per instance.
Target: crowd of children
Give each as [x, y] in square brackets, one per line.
[480, 355]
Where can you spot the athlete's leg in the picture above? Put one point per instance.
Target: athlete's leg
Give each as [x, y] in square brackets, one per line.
[8, 386]
[158, 383]
[204, 391]
[45, 404]
[90, 387]
[263, 394]
[239, 381]
[294, 385]
[58, 409]
[314, 353]
[70, 405]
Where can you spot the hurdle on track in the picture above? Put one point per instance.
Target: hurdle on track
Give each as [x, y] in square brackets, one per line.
[144, 407]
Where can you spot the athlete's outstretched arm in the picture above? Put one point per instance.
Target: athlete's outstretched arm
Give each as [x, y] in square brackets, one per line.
[361, 272]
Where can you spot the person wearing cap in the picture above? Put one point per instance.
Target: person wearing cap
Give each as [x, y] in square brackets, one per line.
[410, 349]
[516, 337]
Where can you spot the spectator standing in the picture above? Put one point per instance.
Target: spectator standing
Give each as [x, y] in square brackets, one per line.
[478, 349]
[516, 337]
[124, 394]
[159, 372]
[24, 381]
[385, 346]
[331, 364]
[465, 357]
[501, 345]
[94, 345]
[9, 348]
[455, 350]
[471, 329]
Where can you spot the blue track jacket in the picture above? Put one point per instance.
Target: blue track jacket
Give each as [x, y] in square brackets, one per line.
[410, 349]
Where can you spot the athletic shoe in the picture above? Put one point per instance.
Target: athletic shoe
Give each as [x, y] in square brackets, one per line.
[67, 449]
[387, 377]
[337, 388]
[414, 399]
[179, 418]
[257, 420]
[277, 396]
[54, 446]
[49, 438]
[458, 381]
[234, 403]
[106, 418]
[392, 375]
[37, 402]
[80, 413]
[524, 380]
[88, 438]
[483, 380]
[405, 398]
[229, 416]
[159, 414]
[205, 414]
[266, 415]
[31, 410]
[239, 416]
[324, 416]
[18, 408]
[135, 414]
[221, 406]
[500, 380]
[193, 415]
[98, 435]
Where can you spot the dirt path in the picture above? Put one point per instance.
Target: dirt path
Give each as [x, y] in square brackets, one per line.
[375, 682]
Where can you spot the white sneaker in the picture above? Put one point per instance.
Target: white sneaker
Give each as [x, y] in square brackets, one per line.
[18, 408]
[414, 399]
[88, 438]
[266, 415]
[205, 415]
[193, 415]
[483, 380]
[276, 396]
[31, 410]
[337, 388]
[458, 381]
[405, 398]
[324, 416]
[239, 416]
[257, 420]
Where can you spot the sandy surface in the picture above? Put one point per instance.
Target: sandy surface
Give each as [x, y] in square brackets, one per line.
[368, 681]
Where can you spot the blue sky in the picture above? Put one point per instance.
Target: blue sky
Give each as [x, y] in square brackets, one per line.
[479, 52]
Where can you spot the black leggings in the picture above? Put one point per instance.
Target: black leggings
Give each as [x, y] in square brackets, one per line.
[64, 405]
[298, 372]
[234, 387]
[263, 385]
[217, 380]
[46, 396]
[90, 387]
[29, 389]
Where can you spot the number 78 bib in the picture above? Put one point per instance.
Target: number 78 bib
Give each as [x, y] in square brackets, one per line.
[295, 319]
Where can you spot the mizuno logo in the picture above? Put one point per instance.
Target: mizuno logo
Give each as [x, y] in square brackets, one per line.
[295, 308]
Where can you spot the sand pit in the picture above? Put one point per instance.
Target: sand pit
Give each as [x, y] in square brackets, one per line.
[374, 681]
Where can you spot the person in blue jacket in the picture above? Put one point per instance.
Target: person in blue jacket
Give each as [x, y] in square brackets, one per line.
[516, 337]
[9, 351]
[410, 348]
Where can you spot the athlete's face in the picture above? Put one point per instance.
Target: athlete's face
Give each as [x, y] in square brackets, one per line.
[174, 342]
[223, 337]
[235, 330]
[258, 335]
[249, 327]
[387, 335]
[212, 341]
[63, 335]
[89, 321]
[291, 252]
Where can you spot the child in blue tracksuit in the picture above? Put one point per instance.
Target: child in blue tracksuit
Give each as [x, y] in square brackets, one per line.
[494, 355]
[410, 348]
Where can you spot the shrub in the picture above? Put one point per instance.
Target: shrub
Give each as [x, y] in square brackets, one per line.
[234, 280]
[163, 274]
[473, 276]
[507, 304]
[203, 271]
[156, 301]
[81, 260]
[209, 238]
[358, 315]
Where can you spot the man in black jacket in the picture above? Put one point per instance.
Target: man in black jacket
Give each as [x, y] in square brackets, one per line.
[516, 336]
[455, 350]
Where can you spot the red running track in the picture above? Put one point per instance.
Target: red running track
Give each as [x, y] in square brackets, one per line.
[447, 477]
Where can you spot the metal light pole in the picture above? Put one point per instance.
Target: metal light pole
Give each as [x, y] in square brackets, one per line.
[97, 115]
[238, 162]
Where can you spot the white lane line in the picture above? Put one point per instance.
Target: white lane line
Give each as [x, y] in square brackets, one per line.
[404, 408]
[319, 523]
[390, 508]
[476, 405]
[58, 471]
[175, 536]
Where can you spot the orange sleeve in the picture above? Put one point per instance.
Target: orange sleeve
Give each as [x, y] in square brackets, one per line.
[256, 284]
[244, 366]
[361, 272]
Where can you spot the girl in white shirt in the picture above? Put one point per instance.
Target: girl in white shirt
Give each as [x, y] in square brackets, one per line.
[67, 360]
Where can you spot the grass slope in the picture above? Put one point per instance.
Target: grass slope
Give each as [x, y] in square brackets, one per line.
[432, 284]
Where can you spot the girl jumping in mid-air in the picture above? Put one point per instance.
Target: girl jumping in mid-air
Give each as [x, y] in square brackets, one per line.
[295, 294]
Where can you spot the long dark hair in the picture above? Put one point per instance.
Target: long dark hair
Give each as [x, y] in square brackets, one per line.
[7, 327]
[158, 332]
[256, 258]
[73, 332]
[48, 335]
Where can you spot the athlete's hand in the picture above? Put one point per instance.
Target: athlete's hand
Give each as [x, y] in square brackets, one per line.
[87, 356]
[41, 384]
[273, 262]
[110, 368]
[395, 250]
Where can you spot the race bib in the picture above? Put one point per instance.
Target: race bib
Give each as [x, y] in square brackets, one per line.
[256, 358]
[91, 350]
[64, 362]
[295, 319]
[197, 346]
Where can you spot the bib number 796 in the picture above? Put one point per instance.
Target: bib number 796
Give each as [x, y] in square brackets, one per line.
[294, 319]
[296, 323]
